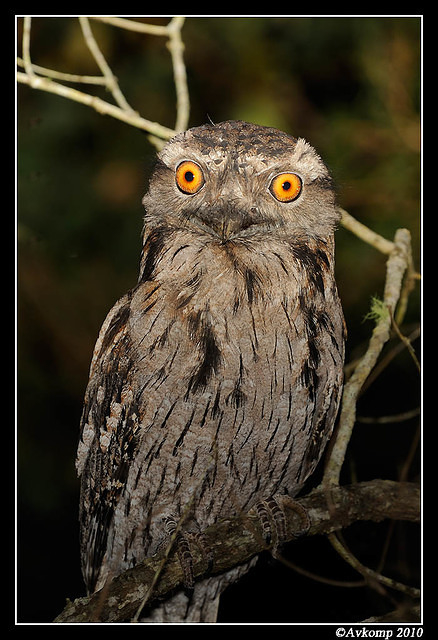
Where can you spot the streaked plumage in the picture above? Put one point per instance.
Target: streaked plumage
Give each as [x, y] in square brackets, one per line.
[215, 381]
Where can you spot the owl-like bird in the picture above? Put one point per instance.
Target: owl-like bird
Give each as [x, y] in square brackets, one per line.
[215, 381]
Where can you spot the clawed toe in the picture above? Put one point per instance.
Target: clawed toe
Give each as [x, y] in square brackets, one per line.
[272, 517]
[201, 542]
[302, 513]
[273, 520]
[182, 541]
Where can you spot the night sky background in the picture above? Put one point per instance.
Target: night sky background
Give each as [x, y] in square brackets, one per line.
[351, 86]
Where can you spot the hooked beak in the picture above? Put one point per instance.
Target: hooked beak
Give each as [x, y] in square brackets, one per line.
[227, 221]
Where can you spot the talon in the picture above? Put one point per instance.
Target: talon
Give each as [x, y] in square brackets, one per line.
[184, 553]
[279, 519]
[263, 516]
[272, 517]
[302, 512]
[201, 542]
[270, 512]
[186, 562]
[183, 540]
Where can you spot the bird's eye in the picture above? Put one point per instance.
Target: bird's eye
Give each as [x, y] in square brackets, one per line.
[286, 187]
[189, 177]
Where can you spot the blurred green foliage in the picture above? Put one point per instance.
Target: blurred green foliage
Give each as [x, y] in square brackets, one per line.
[351, 86]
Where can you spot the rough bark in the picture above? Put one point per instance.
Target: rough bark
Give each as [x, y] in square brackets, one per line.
[237, 540]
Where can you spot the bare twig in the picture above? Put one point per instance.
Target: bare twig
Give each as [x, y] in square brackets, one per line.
[159, 570]
[318, 578]
[123, 111]
[370, 575]
[110, 78]
[26, 46]
[134, 25]
[365, 233]
[387, 358]
[398, 262]
[101, 106]
[406, 342]
[399, 417]
[66, 77]
[396, 266]
[176, 48]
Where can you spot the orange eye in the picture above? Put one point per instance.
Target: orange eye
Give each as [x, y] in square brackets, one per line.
[189, 177]
[286, 187]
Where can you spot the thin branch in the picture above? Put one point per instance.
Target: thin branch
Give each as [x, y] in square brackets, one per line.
[370, 575]
[365, 233]
[387, 359]
[111, 80]
[318, 578]
[176, 48]
[123, 111]
[397, 264]
[410, 281]
[239, 539]
[101, 106]
[66, 77]
[399, 417]
[406, 342]
[134, 25]
[396, 267]
[27, 21]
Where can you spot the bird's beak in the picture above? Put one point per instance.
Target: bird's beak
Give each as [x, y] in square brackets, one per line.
[226, 221]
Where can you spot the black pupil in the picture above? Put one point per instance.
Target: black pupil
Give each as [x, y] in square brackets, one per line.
[189, 176]
[286, 185]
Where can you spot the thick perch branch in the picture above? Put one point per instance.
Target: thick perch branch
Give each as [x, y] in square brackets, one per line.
[237, 540]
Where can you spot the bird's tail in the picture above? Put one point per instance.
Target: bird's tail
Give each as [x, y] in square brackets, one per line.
[202, 604]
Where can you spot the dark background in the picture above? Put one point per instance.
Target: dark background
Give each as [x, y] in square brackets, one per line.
[351, 86]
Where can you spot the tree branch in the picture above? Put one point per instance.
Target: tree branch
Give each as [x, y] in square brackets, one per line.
[122, 111]
[176, 48]
[66, 77]
[237, 540]
[398, 261]
[365, 233]
[134, 25]
[111, 81]
[99, 105]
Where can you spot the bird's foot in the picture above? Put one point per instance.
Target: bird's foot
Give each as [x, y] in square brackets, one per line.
[272, 516]
[183, 541]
